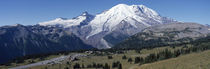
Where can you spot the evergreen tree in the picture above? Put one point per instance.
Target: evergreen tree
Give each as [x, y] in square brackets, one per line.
[66, 68]
[124, 57]
[106, 66]
[67, 62]
[99, 66]
[115, 64]
[83, 66]
[137, 60]
[76, 66]
[120, 66]
[177, 53]
[94, 65]
[168, 54]
[110, 57]
[130, 60]
[141, 60]
[89, 66]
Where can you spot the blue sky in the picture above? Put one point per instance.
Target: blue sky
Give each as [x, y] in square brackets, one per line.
[29, 12]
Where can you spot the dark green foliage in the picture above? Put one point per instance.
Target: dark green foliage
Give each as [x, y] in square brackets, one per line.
[150, 58]
[66, 68]
[124, 57]
[177, 53]
[99, 66]
[106, 66]
[83, 66]
[89, 66]
[130, 60]
[109, 57]
[138, 60]
[197, 46]
[120, 66]
[147, 40]
[94, 65]
[115, 64]
[76, 66]
[67, 62]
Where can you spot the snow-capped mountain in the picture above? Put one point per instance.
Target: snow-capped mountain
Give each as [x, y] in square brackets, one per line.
[110, 19]
[112, 26]
[64, 22]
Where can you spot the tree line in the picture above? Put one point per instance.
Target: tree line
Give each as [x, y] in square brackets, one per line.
[117, 65]
[167, 54]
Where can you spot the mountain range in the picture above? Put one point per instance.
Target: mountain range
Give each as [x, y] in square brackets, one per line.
[19, 40]
[165, 35]
[122, 26]
[108, 28]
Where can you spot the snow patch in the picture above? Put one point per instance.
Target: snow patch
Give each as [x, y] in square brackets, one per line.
[105, 43]
[64, 22]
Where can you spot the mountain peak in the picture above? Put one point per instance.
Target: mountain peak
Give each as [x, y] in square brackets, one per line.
[16, 25]
[85, 13]
[124, 9]
[131, 13]
[125, 5]
[121, 5]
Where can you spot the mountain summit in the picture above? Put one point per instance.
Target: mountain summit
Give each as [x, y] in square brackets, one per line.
[112, 26]
[108, 20]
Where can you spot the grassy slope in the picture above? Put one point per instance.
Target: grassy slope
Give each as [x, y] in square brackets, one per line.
[191, 61]
[103, 59]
